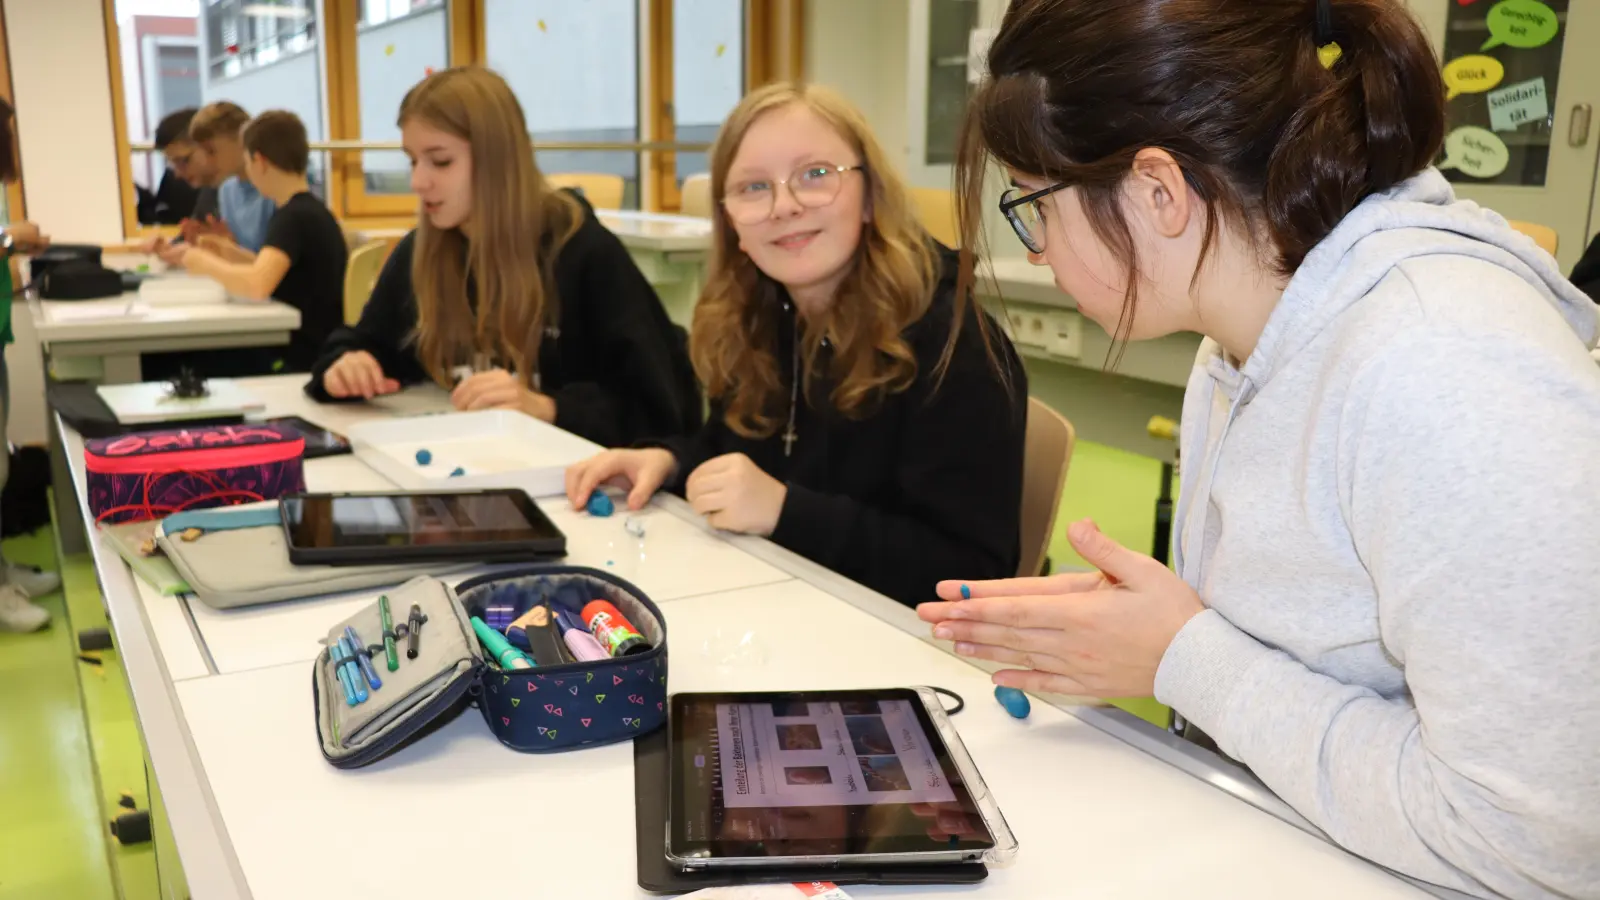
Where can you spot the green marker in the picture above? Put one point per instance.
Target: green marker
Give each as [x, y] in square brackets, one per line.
[508, 656]
[388, 633]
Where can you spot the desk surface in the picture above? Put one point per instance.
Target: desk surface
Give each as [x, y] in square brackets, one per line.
[125, 318]
[225, 706]
[656, 232]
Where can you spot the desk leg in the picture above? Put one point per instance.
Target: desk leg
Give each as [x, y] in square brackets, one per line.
[74, 539]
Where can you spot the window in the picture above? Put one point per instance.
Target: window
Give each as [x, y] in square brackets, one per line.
[575, 69]
[578, 66]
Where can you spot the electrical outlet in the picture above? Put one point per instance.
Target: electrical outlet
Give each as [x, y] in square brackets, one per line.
[1063, 335]
[1028, 328]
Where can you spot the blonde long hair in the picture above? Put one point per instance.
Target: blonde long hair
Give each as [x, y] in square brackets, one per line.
[736, 324]
[519, 225]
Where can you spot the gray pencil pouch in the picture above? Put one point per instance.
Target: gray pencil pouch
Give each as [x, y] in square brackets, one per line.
[415, 693]
[238, 556]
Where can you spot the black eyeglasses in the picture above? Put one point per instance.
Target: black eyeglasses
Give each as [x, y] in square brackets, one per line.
[1023, 214]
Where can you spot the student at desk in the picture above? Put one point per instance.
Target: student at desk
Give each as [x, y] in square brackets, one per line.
[245, 211]
[1385, 596]
[863, 415]
[509, 290]
[303, 257]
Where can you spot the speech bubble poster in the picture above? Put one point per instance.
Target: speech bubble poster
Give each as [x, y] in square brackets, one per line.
[1502, 68]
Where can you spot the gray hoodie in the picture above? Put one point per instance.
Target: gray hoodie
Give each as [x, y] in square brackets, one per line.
[1392, 511]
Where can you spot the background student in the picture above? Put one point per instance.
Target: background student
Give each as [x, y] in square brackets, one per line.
[303, 258]
[1586, 274]
[512, 280]
[1385, 596]
[19, 585]
[245, 212]
[861, 415]
[177, 194]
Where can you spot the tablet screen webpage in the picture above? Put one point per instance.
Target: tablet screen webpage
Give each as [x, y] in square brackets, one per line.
[815, 775]
[417, 519]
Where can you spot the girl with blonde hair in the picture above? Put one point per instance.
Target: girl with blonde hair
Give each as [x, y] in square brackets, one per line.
[509, 291]
[863, 415]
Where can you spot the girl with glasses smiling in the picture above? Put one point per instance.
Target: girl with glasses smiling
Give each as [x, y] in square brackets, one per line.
[857, 417]
[1385, 596]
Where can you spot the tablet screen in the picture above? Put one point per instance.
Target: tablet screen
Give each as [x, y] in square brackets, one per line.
[411, 520]
[815, 774]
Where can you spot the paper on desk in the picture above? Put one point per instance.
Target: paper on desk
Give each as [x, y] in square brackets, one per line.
[815, 890]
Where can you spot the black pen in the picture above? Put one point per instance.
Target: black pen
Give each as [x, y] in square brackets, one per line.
[413, 630]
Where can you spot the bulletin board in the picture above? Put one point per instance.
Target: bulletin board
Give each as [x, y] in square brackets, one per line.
[1502, 67]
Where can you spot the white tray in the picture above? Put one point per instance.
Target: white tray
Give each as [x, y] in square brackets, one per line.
[497, 448]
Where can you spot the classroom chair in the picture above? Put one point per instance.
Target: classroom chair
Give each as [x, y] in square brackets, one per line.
[1047, 453]
[361, 275]
[696, 196]
[936, 210]
[602, 191]
[1543, 235]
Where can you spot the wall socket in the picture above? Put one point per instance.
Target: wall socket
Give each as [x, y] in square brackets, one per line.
[1056, 332]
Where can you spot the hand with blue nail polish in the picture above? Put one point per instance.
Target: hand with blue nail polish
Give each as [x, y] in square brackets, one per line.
[1096, 634]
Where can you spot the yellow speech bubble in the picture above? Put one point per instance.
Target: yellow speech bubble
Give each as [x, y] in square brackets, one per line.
[1475, 151]
[1473, 75]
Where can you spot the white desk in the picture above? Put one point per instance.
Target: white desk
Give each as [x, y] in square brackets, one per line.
[248, 793]
[102, 339]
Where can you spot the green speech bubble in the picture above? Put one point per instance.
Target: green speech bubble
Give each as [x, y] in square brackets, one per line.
[1476, 151]
[1473, 75]
[1521, 23]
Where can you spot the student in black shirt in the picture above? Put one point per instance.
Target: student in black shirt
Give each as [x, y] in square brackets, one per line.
[303, 260]
[864, 414]
[1586, 274]
[177, 193]
[510, 292]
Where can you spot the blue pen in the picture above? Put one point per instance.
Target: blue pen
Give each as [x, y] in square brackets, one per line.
[363, 661]
[355, 670]
[336, 653]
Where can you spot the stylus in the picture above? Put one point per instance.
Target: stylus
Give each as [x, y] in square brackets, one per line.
[363, 662]
[413, 631]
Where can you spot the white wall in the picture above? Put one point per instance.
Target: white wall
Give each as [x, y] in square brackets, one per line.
[860, 49]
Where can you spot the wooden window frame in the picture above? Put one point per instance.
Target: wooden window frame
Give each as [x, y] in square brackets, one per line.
[774, 51]
[347, 191]
[16, 206]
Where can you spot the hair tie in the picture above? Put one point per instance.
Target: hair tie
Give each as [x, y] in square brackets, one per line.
[1328, 49]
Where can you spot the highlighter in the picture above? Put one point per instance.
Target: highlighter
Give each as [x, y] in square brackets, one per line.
[506, 655]
[582, 644]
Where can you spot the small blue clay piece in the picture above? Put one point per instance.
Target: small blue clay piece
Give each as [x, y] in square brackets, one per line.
[966, 592]
[457, 472]
[424, 457]
[600, 505]
[1015, 702]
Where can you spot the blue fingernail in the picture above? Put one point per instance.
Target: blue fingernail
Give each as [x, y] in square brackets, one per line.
[966, 592]
[1014, 701]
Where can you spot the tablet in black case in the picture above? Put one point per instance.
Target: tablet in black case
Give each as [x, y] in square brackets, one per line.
[496, 525]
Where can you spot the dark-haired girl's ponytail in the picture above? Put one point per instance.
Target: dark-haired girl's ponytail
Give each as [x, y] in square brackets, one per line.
[1376, 119]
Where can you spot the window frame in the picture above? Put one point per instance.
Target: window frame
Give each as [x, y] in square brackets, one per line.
[774, 50]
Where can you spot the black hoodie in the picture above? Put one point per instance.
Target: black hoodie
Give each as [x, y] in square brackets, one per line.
[616, 366]
[927, 487]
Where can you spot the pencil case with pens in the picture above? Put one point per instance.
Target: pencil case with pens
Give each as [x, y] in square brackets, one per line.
[577, 694]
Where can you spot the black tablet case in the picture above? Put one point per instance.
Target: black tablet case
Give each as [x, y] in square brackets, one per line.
[651, 779]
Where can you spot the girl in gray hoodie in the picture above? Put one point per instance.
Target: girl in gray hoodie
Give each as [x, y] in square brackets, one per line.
[1387, 596]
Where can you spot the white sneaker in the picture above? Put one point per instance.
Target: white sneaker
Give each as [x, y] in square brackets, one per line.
[18, 613]
[33, 581]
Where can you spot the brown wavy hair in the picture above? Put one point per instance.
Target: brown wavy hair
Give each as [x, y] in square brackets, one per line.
[736, 324]
[1271, 140]
[519, 225]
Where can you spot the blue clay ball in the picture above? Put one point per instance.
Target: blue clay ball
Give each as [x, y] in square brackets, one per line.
[424, 457]
[457, 472]
[1014, 701]
[600, 505]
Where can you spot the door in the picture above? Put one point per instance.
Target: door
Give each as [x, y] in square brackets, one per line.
[1524, 84]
